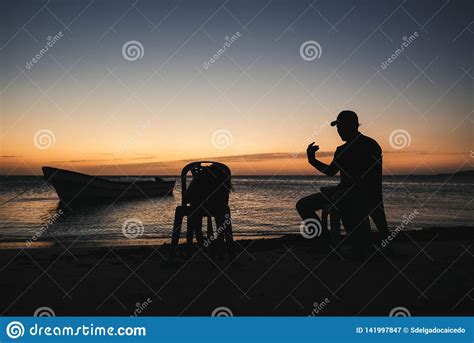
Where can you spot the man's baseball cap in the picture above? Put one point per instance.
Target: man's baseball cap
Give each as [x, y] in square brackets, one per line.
[347, 118]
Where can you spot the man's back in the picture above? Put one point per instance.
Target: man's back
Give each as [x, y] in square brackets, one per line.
[360, 165]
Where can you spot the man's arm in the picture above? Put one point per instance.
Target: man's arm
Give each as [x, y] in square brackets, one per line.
[328, 169]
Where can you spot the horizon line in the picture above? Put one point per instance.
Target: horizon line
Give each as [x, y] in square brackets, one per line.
[254, 175]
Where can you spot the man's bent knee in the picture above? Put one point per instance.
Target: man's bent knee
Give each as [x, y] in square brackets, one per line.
[300, 205]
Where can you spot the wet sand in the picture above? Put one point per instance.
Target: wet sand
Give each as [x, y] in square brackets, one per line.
[430, 273]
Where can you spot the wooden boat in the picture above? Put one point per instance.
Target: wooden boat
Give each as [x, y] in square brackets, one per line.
[76, 188]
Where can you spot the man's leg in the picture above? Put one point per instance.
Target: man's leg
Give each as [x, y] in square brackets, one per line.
[194, 224]
[334, 195]
[380, 220]
[355, 217]
[308, 206]
[335, 215]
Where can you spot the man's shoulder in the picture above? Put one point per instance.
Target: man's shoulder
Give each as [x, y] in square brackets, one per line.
[372, 143]
[341, 148]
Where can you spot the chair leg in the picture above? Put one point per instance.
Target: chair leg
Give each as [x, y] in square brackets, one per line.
[210, 230]
[178, 222]
[199, 235]
[335, 229]
[194, 225]
[229, 238]
[324, 219]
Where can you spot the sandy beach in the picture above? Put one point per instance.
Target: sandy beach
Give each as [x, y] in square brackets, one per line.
[430, 273]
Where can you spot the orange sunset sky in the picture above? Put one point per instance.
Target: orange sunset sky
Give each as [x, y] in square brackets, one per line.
[84, 106]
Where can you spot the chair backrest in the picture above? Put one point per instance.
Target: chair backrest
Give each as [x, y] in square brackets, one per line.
[189, 167]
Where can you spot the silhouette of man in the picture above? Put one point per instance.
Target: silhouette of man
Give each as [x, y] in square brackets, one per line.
[359, 193]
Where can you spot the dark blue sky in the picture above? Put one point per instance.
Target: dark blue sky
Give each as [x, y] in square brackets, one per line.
[260, 88]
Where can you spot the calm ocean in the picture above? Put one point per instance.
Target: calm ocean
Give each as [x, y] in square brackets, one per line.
[260, 206]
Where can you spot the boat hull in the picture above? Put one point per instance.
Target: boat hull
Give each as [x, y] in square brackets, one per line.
[81, 189]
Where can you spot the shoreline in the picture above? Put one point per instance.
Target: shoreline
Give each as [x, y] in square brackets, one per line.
[161, 241]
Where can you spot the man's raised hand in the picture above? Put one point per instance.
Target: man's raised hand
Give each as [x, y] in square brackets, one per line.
[311, 150]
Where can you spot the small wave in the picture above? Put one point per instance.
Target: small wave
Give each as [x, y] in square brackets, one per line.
[36, 199]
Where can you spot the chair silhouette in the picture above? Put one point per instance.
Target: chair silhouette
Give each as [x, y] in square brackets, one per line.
[186, 210]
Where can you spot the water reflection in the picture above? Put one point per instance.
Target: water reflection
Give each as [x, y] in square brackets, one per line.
[260, 205]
